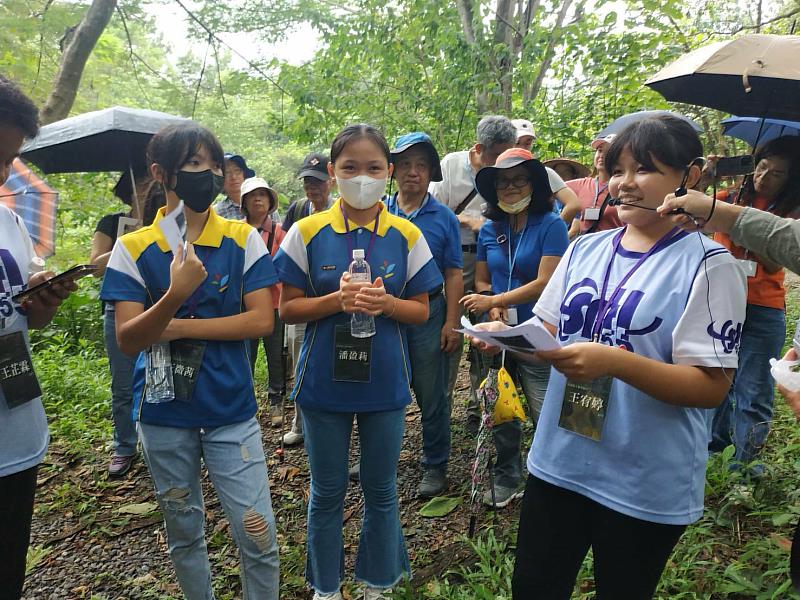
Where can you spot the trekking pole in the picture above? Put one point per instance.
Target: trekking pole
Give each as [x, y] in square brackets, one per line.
[285, 365]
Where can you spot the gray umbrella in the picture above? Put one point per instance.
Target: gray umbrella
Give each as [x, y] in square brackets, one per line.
[113, 139]
[622, 122]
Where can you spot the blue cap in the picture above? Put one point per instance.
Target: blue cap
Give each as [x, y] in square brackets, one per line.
[407, 141]
[242, 163]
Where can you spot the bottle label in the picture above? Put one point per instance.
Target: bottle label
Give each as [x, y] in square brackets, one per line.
[352, 356]
[187, 358]
[17, 379]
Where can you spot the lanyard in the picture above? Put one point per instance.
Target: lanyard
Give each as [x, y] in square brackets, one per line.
[371, 237]
[604, 304]
[598, 190]
[512, 254]
[194, 299]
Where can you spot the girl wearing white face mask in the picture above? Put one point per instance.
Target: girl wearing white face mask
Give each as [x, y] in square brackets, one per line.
[518, 250]
[340, 377]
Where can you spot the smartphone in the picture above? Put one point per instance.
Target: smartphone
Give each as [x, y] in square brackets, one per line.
[730, 166]
[72, 274]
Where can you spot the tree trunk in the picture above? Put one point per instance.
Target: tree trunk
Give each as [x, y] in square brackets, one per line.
[467, 16]
[532, 90]
[73, 61]
[504, 59]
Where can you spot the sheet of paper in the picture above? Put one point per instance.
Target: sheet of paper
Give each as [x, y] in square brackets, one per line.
[530, 336]
[173, 226]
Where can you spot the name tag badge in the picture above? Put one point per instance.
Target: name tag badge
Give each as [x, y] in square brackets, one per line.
[591, 214]
[187, 358]
[511, 316]
[750, 267]
[352, 357]
[17, 378]
[584, 407]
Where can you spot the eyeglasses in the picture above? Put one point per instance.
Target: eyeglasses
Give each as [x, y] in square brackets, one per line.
[519, 181]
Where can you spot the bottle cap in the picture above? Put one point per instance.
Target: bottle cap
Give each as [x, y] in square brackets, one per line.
[36, 265]
[358, 253]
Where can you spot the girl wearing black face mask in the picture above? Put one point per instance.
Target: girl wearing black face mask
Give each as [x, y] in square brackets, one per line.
[203, 306]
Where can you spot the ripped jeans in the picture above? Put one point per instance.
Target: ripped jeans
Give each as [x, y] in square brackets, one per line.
[234, 457]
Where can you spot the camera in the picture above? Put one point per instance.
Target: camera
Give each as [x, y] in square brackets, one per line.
[734, 165]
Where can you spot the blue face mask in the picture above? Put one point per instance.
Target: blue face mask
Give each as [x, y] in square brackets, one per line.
[198, 189]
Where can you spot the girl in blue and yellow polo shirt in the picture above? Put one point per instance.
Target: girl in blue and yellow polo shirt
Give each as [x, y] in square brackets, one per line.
[334, 384]
[207, 305]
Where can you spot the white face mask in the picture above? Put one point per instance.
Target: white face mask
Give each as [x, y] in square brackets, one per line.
[515, 208]
[362, 192]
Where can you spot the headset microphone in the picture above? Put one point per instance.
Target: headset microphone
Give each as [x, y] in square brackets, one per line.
[618, 202]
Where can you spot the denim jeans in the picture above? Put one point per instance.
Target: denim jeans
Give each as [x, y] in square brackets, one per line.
[743, 419]
[508, 436]
[382, 558]
[273, 346]
[121, 367]
[429, 366]
[234, 457]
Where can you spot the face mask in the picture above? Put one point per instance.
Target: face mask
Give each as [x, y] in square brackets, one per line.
[362, 192]
[198, 190]
[515, 208]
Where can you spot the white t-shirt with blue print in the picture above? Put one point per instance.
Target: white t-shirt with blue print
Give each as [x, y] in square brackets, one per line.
[23, 430]
[684, 305]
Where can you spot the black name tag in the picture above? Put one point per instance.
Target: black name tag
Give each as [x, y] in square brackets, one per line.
[584, 407]
[187, 358]
[17, 377]
[352, 356]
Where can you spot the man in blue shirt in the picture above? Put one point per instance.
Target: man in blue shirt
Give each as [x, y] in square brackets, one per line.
[416, 164]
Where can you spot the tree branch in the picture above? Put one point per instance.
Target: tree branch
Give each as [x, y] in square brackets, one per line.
[532, 91]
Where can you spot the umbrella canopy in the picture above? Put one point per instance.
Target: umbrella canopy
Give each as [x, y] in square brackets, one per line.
[754, 75]
[34, 201]
[113, 139]
[622, 122]
[747, 129]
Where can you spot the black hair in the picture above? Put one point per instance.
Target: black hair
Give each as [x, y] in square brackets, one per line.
[787, 148]
[668, 139]
[174, 145]
[355, 132]
[17, 110]
[541, 201]
[154, 199]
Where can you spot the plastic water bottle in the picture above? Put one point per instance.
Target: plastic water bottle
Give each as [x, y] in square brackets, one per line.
[159, 385]
[361, 325]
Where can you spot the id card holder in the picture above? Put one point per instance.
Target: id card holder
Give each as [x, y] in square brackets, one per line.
[591, 214]
[17, 377]
[511, 316]
[352, 357]
[187, 358]
[750, 267]
[584, 407]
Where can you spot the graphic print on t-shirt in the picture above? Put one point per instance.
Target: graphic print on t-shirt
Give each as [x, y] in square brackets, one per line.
[11, 283]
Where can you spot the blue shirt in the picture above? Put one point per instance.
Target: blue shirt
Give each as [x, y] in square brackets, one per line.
[440, 227]
[543, 235]
[684, 305]
[312, 257]
[238, 263]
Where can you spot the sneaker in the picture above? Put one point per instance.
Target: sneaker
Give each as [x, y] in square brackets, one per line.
[473, 424]
[355, 471]
[276, 416]
[120, 465]
[292, 438]
[371, 593]
[502, 496]
[434, 483]
[333, 596]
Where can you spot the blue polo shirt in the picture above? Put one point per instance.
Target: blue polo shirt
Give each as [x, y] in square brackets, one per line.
[500, 247]
[238, 263]
[440, 227]
[312, 257]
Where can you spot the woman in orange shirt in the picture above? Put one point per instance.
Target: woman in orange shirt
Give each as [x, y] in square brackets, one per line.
[743, 419]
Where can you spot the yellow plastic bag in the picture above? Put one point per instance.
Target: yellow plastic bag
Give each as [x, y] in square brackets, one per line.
[508, 405]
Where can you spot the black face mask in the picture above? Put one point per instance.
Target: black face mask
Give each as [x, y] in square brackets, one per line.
[198, 190]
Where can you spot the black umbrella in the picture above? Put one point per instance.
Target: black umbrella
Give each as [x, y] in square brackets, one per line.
[113, 139]
[752, 75]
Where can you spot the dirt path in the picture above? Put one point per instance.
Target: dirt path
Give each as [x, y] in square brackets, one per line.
[86, 548]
